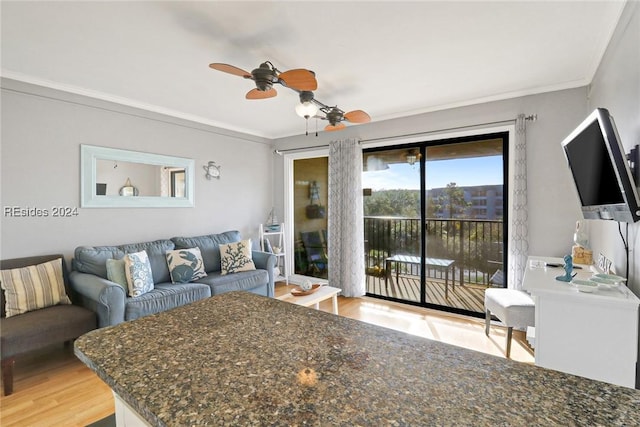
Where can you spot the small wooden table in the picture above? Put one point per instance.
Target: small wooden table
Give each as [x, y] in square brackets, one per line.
[324, 293]
[437, 263]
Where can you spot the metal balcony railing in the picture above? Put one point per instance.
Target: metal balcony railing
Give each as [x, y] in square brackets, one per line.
[475, 245]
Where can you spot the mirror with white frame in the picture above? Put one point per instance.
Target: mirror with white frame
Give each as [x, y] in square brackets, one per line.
[112, 177]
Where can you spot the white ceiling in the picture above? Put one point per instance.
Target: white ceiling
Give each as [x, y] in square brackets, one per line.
[390, 59]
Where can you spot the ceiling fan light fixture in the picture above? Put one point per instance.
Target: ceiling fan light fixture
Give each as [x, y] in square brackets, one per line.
[306, 109]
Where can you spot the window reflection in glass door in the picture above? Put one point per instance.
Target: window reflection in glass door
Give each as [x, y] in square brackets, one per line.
[310, 201]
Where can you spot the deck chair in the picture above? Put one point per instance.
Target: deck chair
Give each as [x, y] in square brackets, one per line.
[316, 252]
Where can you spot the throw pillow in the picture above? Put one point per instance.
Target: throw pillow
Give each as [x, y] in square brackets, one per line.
[116, 272]
[185, 265]
[235, 257]
[139, 275]
[33, 287]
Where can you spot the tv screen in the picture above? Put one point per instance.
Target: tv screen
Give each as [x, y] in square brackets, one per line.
[600, 170]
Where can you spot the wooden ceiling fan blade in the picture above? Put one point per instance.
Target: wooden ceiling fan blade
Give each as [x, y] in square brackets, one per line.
[261, 94]
[331, 128]
[230, 69]
[357, 116]
[299, 79]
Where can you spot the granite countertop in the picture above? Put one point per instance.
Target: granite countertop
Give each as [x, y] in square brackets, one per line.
[243, 359]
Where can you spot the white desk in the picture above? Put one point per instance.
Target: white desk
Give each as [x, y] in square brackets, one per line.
[594, 335]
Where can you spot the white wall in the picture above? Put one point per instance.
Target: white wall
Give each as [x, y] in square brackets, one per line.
[42, 130]
[616, 87]
[553, 204]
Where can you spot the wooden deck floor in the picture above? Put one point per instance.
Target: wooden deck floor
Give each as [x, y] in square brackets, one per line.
[465, 297]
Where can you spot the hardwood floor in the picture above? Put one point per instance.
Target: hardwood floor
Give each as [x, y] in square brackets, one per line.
[53, 388]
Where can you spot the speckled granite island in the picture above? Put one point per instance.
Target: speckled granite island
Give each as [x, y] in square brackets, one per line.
[242, 359]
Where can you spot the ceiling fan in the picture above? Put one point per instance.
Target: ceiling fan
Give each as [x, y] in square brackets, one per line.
[266, 75]
[334, 115]
[299, 80]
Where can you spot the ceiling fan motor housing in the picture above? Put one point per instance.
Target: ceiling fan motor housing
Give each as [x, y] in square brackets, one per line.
[306, 96]
[264, 76]
[334, 116]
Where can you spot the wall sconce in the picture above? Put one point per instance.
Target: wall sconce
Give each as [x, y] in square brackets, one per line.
[213, 170]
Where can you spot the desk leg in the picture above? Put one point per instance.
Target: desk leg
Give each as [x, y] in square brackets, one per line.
[317, 306]
[335, 304]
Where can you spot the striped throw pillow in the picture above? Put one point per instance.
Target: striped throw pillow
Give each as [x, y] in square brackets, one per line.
[33, 287]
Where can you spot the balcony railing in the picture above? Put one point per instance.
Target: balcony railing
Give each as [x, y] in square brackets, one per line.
[475, 245]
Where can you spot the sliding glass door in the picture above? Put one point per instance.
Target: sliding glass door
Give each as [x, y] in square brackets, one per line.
[435, 221]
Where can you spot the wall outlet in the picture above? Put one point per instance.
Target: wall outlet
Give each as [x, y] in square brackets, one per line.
[604, 264]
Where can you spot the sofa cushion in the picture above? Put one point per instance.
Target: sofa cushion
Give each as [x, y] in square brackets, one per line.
[116, 272]
[139, 275]
[209, 246]
[236, 257]
[185, 265]
[165, 296]
[33, 287]
[242, 281]
[93, 259]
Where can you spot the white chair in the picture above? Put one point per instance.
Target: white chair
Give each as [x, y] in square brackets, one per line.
[514, 308]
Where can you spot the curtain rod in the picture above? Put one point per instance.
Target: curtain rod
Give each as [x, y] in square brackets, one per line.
[530, 117]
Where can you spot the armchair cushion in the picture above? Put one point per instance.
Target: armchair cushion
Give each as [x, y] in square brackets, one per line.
[33, 287]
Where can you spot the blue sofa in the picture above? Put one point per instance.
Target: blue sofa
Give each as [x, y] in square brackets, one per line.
[111, 303]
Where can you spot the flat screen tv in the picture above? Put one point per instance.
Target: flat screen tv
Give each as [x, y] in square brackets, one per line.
[600, 170]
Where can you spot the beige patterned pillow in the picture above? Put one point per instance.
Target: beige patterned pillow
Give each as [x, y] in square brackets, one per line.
[235, 257]
[33, 287]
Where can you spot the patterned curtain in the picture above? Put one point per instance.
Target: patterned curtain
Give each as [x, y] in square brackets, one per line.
[346, 226]
[519, 224]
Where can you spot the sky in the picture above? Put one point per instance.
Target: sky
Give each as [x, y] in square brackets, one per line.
[464, 172]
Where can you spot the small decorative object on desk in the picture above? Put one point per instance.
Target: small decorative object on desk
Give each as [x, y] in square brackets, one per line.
[306, 285]
[299, 291]
[580, 251]
[585, 285]
[611, 277]
[568, 268]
